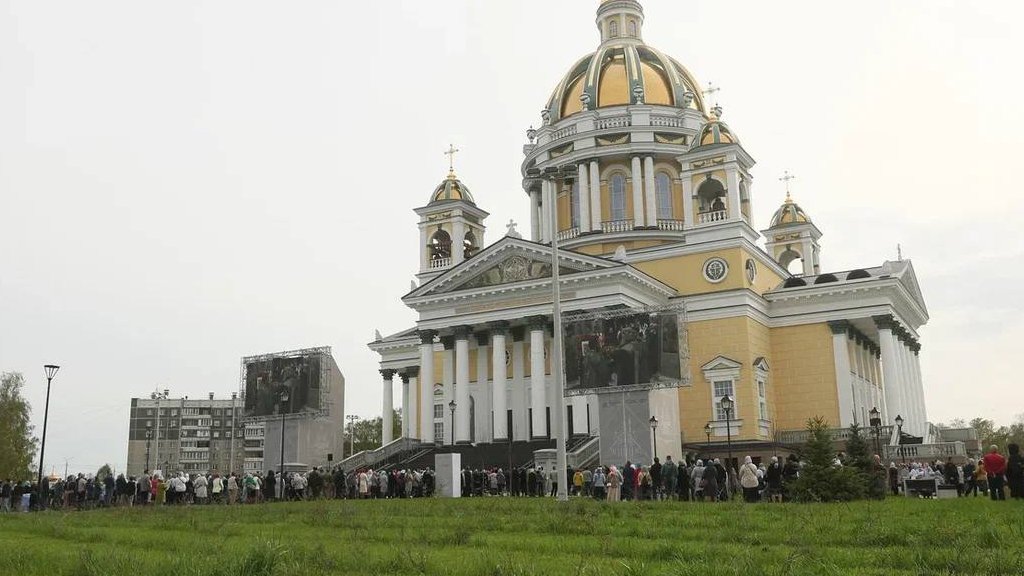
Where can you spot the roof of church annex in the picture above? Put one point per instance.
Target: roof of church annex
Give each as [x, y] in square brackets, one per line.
[621, 68]
[714, 132]
[451, 189]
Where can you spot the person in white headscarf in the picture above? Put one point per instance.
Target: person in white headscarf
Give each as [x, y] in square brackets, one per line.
[696, 478]
[748, 480]
[199, 485]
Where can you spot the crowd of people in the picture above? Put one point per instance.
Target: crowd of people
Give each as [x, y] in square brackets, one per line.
[992, 475]
[692, 479]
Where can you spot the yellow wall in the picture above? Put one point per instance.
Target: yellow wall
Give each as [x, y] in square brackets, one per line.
[686, 273]
[803, 375]
[766, 278]
[740, 339]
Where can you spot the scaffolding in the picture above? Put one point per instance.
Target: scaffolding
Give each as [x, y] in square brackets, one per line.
[323, 353]
[676, 307]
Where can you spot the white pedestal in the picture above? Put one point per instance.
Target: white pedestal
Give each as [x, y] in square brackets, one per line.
[448, 480]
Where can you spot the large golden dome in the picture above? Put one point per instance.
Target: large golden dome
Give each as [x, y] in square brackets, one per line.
[622, 69]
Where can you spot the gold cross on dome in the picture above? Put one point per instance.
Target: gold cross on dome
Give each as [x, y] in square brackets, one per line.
[450, 153]
[786, 177]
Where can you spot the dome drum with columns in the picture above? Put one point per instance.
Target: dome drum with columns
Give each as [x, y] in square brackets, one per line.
[649, 194]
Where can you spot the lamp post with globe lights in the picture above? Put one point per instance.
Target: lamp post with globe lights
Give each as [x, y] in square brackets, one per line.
[451, 406]
[899, 436]
[654, 434]
[727, 406]
[284, 398]
[875, 421]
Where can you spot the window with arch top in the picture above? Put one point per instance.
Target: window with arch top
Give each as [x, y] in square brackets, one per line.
[469, 244]
[440, 245]
[613, 29]
[663, 194]
[617, 190]
[632, 29]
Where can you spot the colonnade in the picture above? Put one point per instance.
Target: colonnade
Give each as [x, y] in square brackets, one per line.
[904, 393]
[644, 198]
[530, 396]
[858, 374]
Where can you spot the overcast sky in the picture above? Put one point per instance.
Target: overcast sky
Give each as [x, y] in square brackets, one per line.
[185, 183]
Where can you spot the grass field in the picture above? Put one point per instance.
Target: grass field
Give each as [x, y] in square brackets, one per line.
[496, 536]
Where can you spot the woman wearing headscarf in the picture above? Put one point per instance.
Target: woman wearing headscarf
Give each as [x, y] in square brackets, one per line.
[697, 480]
[748, 480]
[614, 484]
[709, 482]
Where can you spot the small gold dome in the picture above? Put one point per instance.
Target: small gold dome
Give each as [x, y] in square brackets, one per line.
[715, 132]
[451, 189]
[789, 213]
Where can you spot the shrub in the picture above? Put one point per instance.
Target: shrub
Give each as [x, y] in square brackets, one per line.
[820, 480]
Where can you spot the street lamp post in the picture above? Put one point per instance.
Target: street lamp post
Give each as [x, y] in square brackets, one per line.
[875, 420]
[727, 406]
[451, 406]
[552, 175]
[654, 434]
[899, 436]
[285, 397]
[149, 436]
[51, 371]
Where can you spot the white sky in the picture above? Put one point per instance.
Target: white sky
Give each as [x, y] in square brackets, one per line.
[185, 183]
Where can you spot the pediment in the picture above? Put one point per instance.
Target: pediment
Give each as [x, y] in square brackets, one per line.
[509, 261]
[721, 363]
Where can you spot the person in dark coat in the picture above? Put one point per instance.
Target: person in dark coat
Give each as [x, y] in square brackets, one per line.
[710, 483]
[773, 480]
[1015, 472]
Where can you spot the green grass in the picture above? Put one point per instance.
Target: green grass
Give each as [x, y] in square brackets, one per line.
[495, 536]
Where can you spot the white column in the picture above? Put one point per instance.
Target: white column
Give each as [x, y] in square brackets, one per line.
[890, 368]
[448, 386]
[915, 400]
[546, 196]
[520, 426]
[584, 183]
[689, 218]
[876, 371]
[482, 407]
[458, 239]
[916, 359]
[387, 405]
[426, 383]
[638, 193]
[733, 181]
[538, 394]
[462, 385]
[649, 192]
[498, 382]
[841, 358]
[409, 414]
[595, 195]
[535, 224]
[906, 397]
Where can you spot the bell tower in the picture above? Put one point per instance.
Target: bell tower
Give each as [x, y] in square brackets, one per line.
[451, 226]
[792, 236]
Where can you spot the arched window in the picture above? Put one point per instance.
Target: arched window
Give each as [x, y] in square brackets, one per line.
[632, 28]
[663, 193]
[440, 246]
[469, 244]
[574, 204]
[613, 29]
[618, 194]
[712, 196]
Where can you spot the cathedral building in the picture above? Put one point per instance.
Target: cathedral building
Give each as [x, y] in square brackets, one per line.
[653, 193]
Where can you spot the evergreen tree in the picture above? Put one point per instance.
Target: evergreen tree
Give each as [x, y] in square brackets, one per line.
[858, 456]
[17, 445]
[103, 472]
[820, 480]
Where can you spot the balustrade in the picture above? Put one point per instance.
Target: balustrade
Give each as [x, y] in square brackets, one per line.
[616, 226]
[440, 263]
[569, 234]
[715, 216]
[613, 122]
[668, 224]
